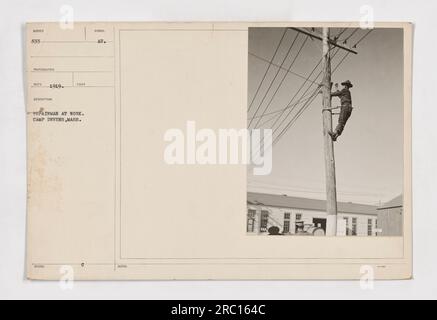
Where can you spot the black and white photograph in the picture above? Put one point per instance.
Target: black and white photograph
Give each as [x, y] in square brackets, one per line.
[218, 158]
[333, 99]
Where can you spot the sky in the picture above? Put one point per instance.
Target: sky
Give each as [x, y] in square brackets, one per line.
[369, 154]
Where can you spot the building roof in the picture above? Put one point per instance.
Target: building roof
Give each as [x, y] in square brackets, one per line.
[283, 201]
[395, 203]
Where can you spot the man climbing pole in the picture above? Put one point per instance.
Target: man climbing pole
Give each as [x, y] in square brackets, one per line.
[346, 107]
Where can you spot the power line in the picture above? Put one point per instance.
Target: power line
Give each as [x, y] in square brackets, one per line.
[278, 66]
[283, 79]
[337, 38]
[276, 75]
[301, 100]
[338, 35]
[304, 107]
[307, 80]
[292, 106]
[286, 108]
[301, 87]
[288, 114]
[293, 120]
[268, 68]
[364, 37]
[341, 33]
[290, 103]
[267, 121]
[331, 42]
[309, 103]
[314, 30]
[350, 36]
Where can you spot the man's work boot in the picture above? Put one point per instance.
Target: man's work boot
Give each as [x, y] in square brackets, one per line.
[334, 135]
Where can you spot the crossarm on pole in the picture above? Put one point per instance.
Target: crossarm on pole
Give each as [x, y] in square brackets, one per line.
[331, 42]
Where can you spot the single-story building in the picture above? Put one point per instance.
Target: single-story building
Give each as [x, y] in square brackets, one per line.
[391, 217]
[295, 216]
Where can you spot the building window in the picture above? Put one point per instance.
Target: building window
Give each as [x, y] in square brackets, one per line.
[264, 221]
[251, 220]
[287, 217]
[348, 231]
[299, 224]
[287, 226]
[354, 226]
[370, 227]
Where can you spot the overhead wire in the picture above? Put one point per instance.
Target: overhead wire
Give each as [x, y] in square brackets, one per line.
[268, 68]
[296, 117]
[315, 94]
[283, 80]
[307, 79]
[277, 66]
[320, 73]
[362, 38]
[276, 75]
[304, 107]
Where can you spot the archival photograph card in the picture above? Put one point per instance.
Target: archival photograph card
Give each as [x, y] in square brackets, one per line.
[219, 151]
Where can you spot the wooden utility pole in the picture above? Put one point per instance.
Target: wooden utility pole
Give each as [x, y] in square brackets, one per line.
[331, 189]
